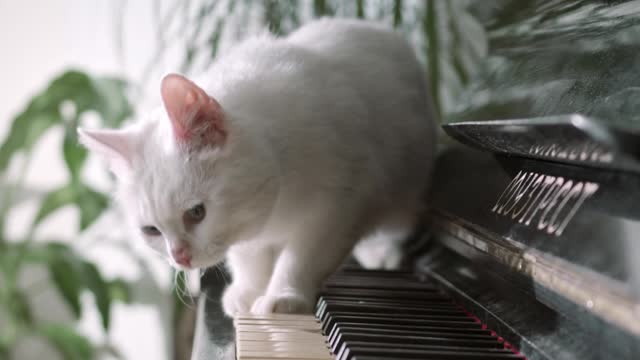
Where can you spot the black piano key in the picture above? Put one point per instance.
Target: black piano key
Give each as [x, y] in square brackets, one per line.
[385, 285]
[374, 315]
[405, 341]
[435, 318]
[333, 305]
[354, 351]
[374, 327]
[373, 300]
[439, 306]
[423, 303]
[375, 311]
[434, 356]
[379, 275]
[409, 331]
[331, 319]
[320, 307]
[393, 294]
[324, 304]
[373, 273]
[350, 349]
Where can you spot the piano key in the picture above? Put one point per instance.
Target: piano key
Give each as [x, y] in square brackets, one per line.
[373, 300]
[360, 317]
[389, 310]
[355, 271]
[402, 317]
[331, 319]
[393, 294]
[386, 285]
[331, 305]
[279, 336]
[437, 355]
[406, 331]
[275, 317]
[386, 328]
[358, 350]
[412, 340]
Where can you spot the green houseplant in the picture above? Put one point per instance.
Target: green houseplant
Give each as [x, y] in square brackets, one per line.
[60, 105]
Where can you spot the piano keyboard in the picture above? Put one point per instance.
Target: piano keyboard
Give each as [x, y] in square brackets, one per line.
[373, 315]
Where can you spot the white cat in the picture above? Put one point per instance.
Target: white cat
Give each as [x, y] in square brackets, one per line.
[285, 155]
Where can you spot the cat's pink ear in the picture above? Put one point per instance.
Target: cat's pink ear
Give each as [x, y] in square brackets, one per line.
[115, 146]
[197, 119]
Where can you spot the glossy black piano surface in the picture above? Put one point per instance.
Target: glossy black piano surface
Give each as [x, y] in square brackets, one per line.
[556, 57]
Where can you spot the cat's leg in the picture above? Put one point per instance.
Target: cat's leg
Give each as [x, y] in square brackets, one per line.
[251, 269]
[383, 248]
[302, 266]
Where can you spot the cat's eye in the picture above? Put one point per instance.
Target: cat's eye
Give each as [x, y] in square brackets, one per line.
[150, 230]
[195, 214]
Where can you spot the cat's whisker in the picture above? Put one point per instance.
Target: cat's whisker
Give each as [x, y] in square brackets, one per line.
[185, 289]
[182, 291]
[223, 273]
[214, 300]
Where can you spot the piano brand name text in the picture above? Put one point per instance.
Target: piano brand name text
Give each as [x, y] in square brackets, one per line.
[545, 202]
[583, 152]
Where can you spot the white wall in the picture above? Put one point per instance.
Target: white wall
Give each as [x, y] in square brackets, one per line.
[38, 40]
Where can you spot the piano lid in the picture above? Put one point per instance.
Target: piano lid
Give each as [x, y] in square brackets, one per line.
[572, 139]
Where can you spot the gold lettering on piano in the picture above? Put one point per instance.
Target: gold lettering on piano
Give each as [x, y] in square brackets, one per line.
[545, 202]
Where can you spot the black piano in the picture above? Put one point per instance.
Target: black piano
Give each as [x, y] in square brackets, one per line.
[531, 249]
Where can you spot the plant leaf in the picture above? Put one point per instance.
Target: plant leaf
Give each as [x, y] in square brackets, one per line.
[100, 289]
[53, 201]
[4, 350]
[397, 13]
[430, 29]
[65, 275]
[19, 307]
[321, 8]
[105, 95]
[67, 341]
[37, 253]
[71, 275]
[25, 130]
[74, 156]
[119, 290]
[56, 248]
[360, 9]
[91, 204]
[111, 100]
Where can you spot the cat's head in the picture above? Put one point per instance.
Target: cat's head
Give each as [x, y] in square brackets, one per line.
[187, 180]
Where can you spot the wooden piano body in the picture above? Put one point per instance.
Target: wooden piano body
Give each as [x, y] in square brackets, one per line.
[534, 224]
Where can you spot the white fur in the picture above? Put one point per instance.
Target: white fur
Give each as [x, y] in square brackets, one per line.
[331, 139]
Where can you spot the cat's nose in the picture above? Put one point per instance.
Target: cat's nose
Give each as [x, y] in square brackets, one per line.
[182, 255]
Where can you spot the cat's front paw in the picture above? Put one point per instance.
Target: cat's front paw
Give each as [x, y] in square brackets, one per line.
[285, 303]
[237, 300]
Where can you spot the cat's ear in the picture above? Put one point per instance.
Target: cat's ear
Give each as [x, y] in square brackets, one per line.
[197, 119]
[115, 146]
